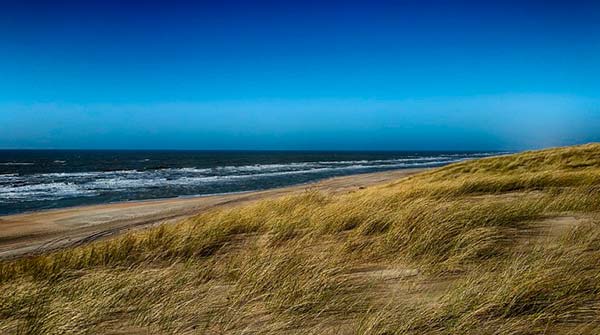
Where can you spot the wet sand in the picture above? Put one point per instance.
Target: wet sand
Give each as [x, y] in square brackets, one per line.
[37, 232]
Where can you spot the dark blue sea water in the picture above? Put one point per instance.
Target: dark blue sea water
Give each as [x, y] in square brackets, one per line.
[32, 180]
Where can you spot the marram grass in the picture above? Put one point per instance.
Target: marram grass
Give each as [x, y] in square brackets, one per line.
[504, 245]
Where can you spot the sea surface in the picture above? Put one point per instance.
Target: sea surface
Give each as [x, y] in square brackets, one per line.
[40, 179]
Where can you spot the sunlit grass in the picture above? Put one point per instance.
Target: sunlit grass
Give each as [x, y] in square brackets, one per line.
[452, 250]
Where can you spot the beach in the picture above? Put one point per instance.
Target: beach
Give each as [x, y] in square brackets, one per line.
[41, 231]
[468, 248]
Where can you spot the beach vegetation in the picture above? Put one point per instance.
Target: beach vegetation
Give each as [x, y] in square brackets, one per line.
[501, 245]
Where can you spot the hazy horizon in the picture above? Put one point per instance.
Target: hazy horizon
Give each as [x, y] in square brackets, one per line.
[253, 150]
[264, 75]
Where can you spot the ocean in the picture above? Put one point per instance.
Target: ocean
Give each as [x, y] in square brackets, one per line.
[41, 179]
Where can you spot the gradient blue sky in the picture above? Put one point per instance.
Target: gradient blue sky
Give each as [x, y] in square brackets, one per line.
[387, 75]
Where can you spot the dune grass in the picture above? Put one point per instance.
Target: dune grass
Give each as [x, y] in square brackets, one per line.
[470, 248]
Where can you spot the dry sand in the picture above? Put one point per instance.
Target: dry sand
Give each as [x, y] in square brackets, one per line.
[25, 234]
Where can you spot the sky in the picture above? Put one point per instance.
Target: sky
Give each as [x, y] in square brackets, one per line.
[299, 75]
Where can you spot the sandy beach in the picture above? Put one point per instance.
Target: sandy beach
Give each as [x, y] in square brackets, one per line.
[30, 233]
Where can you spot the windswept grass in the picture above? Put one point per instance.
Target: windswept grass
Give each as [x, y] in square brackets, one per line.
[467, 248]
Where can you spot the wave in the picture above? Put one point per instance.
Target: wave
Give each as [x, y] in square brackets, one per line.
[374, 163]
[188, 170]
[16, 163]
[10, 178]
[38, 192]
[93, 174]
[349, 167]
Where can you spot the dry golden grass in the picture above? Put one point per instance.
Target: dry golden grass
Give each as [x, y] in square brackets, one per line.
[465, 249]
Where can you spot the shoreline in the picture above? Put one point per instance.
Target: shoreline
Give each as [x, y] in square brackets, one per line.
[51, 229]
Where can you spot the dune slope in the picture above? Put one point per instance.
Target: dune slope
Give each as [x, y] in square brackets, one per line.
[505, 245]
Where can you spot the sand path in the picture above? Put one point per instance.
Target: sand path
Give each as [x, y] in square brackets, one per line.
[30, 233]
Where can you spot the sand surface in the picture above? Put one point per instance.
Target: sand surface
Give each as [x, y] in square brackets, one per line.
[30, 233]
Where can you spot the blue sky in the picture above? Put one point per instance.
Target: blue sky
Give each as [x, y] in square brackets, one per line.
[370, 75]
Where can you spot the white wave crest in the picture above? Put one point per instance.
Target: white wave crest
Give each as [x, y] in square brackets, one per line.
[16, 163]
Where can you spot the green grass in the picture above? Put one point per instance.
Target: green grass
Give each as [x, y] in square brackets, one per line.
[459, 249]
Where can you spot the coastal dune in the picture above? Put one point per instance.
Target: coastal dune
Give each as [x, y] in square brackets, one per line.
[501, 245]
